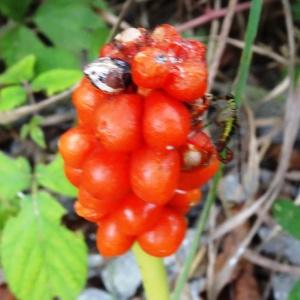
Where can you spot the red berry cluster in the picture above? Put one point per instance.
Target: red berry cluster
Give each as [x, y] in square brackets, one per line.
[134, 156]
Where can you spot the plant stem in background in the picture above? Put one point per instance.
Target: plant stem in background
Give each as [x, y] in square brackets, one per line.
[251, 32]
[184, 273]
[243, 71]
[153, 273]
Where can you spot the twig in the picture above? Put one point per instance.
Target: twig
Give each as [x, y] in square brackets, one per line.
[293, 176]
[122, 14]
[270, 264]
[14, 115]
[58, 118]
[277, 90]
[265, 51]
[211, 15]
[221, 42]
[214, 29]
[112, 19]
[29, 92]
[212, 253]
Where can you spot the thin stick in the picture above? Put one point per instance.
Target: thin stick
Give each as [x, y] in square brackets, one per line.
[14, 115]
[271, 264]
[221, 43]
[122, 14]
[211, 15]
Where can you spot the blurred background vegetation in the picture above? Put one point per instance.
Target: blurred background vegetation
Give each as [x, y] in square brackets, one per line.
[46, 250]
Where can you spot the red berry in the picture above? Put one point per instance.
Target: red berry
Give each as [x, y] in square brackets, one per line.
[198, 151]
[87, 213]
[150, 68]
[164, 238]
[184, 200]
[188, 82]
[199, 176]
[100, 205]
[197, 50]
[154, 174]
[118, 122]
[110, 239]
[73, 174]
[164, 34]
[106, 175]
[110, 50]
[86, 98]
[137, 216]
[166, 121]
[75, 145]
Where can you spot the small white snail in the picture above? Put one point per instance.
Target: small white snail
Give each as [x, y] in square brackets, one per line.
[110, 75]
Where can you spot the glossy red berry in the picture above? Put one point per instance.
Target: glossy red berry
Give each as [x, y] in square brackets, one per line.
[154, 174]
[103, 206]
[111, 241]
[110, 50]
[199, 176]
[197, 152]
[166, 121]
[136, 216]
[86, 98]
[150, 68]
[76, 145]
[184, 200]
[164, 34]
[118, 122]
[188, 82]
[87, 213]
[164, 238]
[106, 175]
[73, 174]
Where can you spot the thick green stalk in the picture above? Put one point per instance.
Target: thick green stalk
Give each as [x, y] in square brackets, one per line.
[153, 273]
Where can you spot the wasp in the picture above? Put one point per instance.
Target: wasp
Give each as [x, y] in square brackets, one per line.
[225, 119]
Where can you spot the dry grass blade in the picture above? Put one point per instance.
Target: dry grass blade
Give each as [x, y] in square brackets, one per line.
[14, 115]
[221, 43]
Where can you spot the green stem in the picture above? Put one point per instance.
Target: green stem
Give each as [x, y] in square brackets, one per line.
[153, 273]
[245, 61]
[197, 237]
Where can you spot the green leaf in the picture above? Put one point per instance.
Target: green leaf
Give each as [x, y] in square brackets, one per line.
[68, 23]
[19, 72]
[17, 43]
[25, 130]
[52, 176]
[15, 176]
[38, 137]
[98, 39]
[11, 97]
[53, 58]
[287, 215]
[7, 210]
[15, 9]
[42, 259]
[296, 10]
[295, 292]
[56, 80]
